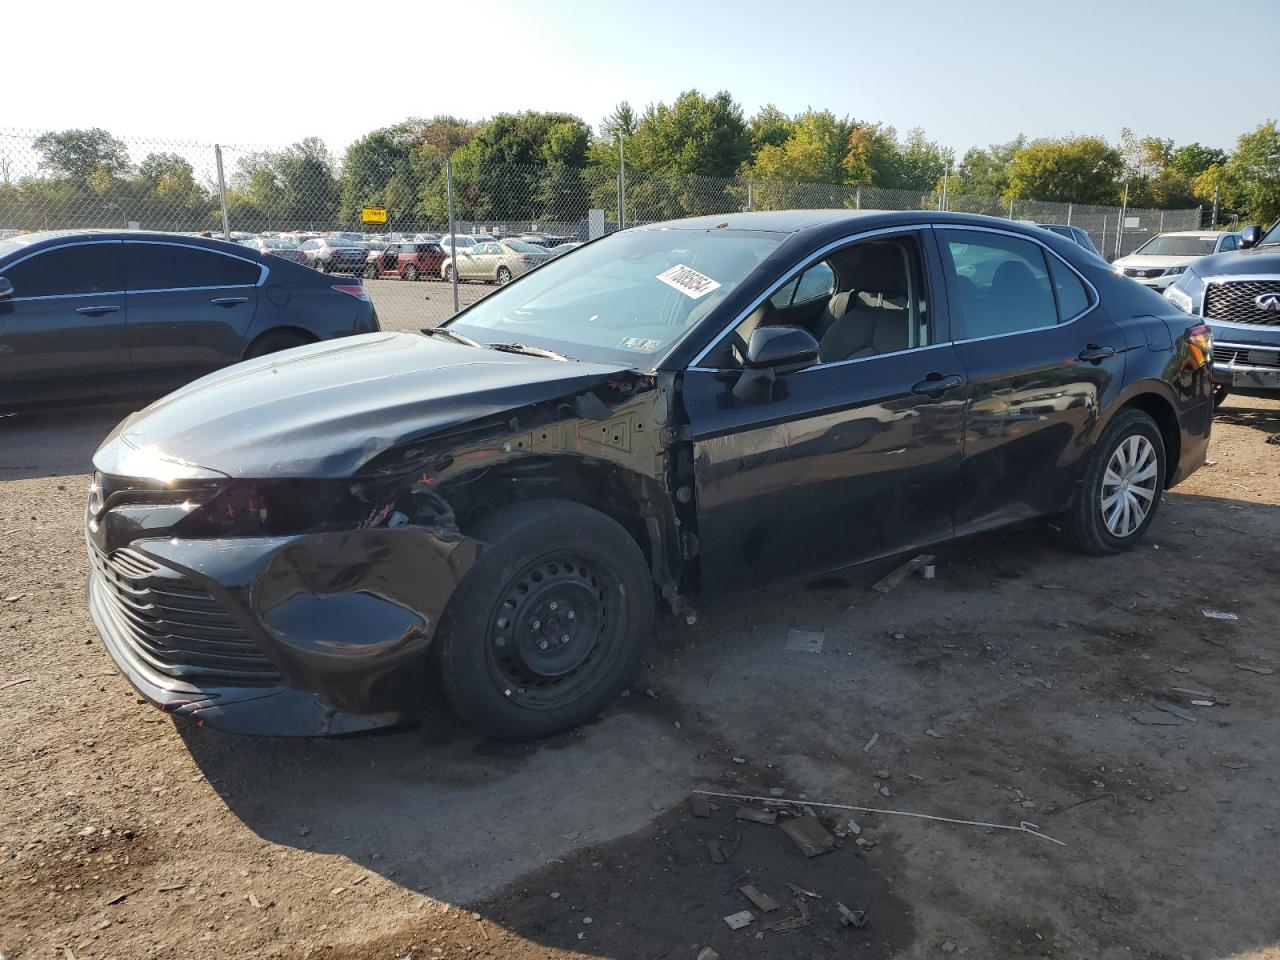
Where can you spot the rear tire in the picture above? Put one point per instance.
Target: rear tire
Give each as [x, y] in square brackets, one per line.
[1121, 488]
[447, 273]
[1220, 394]
[410, 273]
[504, 276]
[371, 272]
[273, 341]
[550, 624]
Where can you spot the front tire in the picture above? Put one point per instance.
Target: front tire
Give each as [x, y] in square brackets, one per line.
[1121, 488]
[550, 624]
[410, 272]
[504, 276]
[447, 273]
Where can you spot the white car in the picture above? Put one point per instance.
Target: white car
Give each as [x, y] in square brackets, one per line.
[1164, 258]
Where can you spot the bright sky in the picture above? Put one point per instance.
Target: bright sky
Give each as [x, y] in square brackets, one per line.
[269, 73]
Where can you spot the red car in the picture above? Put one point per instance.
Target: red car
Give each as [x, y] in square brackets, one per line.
[408, 261]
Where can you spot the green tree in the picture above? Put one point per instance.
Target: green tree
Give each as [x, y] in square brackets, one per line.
[1192, 159]
[872, 157]
[295, 187]
[985, 173]
[770, 127]
[1069, 170]
[922, 162]
[696, 134]
[79, 154]
[370, 167]
[1250, 178]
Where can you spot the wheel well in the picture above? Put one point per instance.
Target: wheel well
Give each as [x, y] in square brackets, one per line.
[305, 335]
[637, 503]
[1159, 410]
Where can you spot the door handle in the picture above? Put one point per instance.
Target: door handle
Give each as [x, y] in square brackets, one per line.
[936, 384]
[1095, 354]
[99, 310]
[228, 301]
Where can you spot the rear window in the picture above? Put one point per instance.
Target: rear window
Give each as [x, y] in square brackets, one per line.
[521, 246]
[167, 266]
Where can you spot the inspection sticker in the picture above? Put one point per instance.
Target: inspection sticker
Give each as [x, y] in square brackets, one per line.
[688, 281]
[640, 344]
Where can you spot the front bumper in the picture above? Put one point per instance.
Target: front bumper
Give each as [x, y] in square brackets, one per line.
[312, 635]
[1246, 357]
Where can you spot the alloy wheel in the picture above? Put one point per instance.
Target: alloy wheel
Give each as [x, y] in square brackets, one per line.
[1129, 485]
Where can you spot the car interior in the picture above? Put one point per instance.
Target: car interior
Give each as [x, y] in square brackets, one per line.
[864, 300]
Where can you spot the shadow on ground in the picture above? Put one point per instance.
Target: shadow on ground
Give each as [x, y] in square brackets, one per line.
[26, 450]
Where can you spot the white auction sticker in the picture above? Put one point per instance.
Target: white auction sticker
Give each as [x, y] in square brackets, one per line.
[688, 281]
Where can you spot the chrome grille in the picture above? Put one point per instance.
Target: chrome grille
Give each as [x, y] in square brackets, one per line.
[1247, 356]
[1234, 301]
[176, 627]
[1144, 272]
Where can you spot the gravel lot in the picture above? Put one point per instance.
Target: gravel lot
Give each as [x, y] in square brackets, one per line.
[1002, 691]
[402, 305]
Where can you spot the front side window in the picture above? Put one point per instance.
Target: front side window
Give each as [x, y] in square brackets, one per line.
[82, 268]
[1000, 284]
[166, 266]
[1228, 243]
[626, 298]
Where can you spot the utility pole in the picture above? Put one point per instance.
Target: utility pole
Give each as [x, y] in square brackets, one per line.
[222, 194]
[622, 183]
[453, 233]
[1124, 205]
[1214, 224]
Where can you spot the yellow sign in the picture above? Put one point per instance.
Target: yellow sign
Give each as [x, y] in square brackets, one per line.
[374, 215]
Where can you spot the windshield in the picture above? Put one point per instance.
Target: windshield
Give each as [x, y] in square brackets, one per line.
[520, 246]
[623, 299]
[1173, 246]
[1272, 235]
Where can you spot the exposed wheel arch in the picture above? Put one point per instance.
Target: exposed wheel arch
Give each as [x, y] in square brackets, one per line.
[276, 339]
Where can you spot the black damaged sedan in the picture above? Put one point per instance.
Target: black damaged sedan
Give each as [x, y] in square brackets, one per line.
[317, 541]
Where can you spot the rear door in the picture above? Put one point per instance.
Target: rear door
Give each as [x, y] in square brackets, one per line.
[1042, 360]
[63, 332]
[190, 309]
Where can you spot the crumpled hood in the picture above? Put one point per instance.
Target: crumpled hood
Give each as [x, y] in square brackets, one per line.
[325, 409]
[1240, 262]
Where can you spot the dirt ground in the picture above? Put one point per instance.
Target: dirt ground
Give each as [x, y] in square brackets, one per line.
[1005, 690]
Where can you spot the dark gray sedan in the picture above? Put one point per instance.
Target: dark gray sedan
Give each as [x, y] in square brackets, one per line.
[95, 314]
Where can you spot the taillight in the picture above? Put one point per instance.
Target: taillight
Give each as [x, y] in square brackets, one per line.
[352, 290]
[1199, 345]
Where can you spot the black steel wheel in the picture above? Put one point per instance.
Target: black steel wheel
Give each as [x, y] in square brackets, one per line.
[549, 625]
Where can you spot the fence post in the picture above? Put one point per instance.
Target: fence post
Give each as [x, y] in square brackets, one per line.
[857, 199]
[453, 239]
[1011, 208]
[222, 193]
[622, 183]
[1124, 205]
[1214, 225]
[1068, 214]
[1103, 248]
[751, 197]
[1162, 221]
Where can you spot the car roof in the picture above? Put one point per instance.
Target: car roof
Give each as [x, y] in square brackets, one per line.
[53, 237]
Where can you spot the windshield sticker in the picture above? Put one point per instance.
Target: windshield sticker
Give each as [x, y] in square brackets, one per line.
[641, 344]
[688, 281]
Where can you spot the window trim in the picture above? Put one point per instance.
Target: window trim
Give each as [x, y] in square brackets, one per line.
[65, 296]
[1093, 305]
[264, 270]
[794, 273]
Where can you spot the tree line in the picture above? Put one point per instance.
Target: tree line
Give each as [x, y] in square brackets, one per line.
[693, 155]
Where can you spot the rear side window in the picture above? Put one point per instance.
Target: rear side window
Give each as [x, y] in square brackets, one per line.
[1073, 295]
[164, 266]
[68, 271]
[1000, 283]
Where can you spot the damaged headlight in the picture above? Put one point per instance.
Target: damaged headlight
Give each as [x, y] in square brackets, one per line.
[278, 507]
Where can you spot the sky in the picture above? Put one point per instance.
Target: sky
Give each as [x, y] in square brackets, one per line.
[265, 74]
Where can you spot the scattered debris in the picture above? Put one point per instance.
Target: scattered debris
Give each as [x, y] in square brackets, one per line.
[805, 641]
[739, 760]
[171, 888]
[14, 683]
[118, 898]
[767, 817]
[1237, 765]
[706, 953]
[1254, 668]
[1219, 615]
[854, 828]
[948, 947]
[737, 921]
[1153, 718]
[15, 598]
[762, 901]
[794, 922]
[933, 733]
[699, 806]
[871, 743]
[929, 571]
[851, 918]
[255, 902]
[713, 849]
[1052, 586]
[891, 580]
[802, 892]
[809, 835]
[1174, 709]
[1199, 694]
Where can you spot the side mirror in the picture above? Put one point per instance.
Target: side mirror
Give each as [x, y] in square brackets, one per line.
[6, 289]
[773, 351]
[1250, 236]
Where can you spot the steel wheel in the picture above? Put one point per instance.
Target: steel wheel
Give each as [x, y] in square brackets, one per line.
[556, 631]
[1129, 486]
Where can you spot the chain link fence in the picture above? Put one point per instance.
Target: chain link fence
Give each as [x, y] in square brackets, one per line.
[89, 179]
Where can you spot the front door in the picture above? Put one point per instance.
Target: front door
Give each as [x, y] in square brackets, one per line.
[1041, 358]
[63, 332]
[189, 310]
[851, 459]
